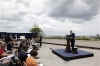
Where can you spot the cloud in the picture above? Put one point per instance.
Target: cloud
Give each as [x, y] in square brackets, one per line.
[55, 17]
[19, 15]
[92, 27]
[11, 16]
[55, 27]
[74, 9]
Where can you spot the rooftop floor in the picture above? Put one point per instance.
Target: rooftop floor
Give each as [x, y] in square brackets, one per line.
[47, 58]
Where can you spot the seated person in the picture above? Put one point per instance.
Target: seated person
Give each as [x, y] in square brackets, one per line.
[9, 46]
[23, 45]
[34, 53]
[14, 61]
[27, 60]
[2, 50]
[35, 47]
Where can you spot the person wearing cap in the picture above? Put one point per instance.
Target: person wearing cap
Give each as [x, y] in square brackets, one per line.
[27, 60]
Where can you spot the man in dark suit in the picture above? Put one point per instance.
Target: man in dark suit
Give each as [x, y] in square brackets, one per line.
[72, 39]
[68, 46]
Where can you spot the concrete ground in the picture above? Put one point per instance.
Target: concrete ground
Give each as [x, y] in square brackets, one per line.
[47, 58]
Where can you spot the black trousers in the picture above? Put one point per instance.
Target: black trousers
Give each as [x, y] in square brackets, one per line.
[72, 43]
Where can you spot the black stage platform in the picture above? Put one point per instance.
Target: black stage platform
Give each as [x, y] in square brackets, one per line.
[69, 56]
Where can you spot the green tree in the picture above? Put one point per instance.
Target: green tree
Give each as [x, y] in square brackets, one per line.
[98, 36]
[36, 29]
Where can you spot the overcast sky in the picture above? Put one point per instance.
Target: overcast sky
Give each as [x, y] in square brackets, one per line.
[55, 17]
